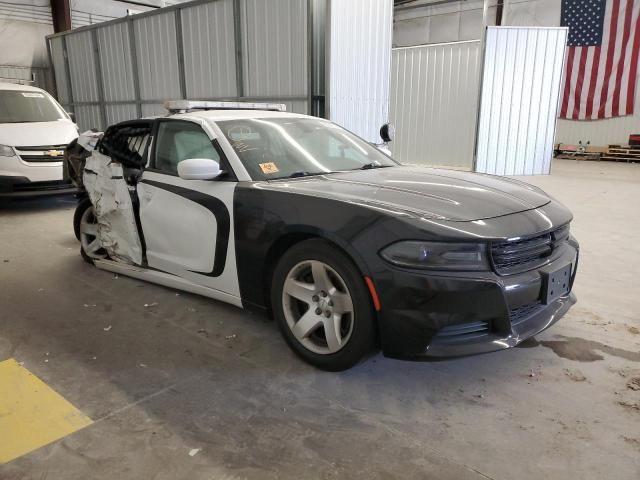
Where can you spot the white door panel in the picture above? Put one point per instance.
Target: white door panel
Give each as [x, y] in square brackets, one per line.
[191, 239]
[188, 229]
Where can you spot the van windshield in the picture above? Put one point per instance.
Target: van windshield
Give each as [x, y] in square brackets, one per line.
[19, 106]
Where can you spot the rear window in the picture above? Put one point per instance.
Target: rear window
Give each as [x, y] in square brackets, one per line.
[18, 106]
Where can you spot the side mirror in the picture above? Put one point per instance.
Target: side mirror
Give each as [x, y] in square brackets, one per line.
[387, 132]
[72, 116]
[199, 169]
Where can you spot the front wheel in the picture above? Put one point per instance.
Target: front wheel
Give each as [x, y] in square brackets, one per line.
[90, 247]
[322, 306]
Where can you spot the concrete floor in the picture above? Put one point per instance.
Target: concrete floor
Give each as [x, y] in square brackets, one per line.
[192, 373]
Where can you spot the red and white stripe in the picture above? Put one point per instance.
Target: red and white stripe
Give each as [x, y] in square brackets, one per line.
[600, 82]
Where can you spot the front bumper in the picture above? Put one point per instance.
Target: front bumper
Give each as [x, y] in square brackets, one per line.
[444, 315]
[14, 186]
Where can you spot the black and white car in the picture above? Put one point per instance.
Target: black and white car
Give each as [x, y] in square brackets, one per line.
[347, 249]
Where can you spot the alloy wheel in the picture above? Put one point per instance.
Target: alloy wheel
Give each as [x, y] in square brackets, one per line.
[318, 307]
[89, 235]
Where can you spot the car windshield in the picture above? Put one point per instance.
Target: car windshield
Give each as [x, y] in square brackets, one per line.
[273, 148]
[19, 106]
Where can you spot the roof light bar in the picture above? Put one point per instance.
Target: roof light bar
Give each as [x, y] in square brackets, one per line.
[177, 106]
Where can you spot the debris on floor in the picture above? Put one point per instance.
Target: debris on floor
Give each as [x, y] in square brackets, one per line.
[147, 305]
[202, 331]
[229, 337]
[194, 451]
[634, 330]
[634, 384]
[106, 329]
[575, 375]
[629, 405]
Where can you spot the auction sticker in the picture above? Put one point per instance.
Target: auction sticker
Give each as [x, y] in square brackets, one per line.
[268, 167]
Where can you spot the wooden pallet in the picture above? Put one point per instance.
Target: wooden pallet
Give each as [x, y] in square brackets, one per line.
[622, 153]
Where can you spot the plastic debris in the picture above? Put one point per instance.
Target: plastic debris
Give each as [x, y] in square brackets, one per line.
[86, 305]
[147, 305]
[143, 365]
[106, 329]
[229, 337]
[194, 451]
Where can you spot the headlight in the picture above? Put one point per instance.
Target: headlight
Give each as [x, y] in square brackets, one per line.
[437, 255]
[6, 151]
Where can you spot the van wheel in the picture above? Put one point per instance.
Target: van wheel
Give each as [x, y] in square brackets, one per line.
[322, 306]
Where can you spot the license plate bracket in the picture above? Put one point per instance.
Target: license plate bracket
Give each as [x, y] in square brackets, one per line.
[556, 284]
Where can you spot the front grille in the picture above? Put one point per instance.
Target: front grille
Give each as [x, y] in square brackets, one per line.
[519, 255]
[520, 314]
[463, 332]
[36, 154]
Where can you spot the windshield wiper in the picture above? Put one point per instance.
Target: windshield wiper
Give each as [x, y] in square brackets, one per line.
[369, 166]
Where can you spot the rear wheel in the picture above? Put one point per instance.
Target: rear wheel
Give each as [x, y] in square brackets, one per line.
[90, 247]
[322, 306]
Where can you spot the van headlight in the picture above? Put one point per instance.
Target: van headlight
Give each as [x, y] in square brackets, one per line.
[437, 255]
[6, 151]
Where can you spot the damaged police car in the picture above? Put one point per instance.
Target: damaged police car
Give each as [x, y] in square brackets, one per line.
[347, 249]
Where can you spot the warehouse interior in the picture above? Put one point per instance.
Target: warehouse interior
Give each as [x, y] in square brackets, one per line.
[106, 375]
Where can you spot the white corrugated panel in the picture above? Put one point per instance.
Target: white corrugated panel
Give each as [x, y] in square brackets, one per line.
[359, 67]
[519, 99]
[275, 53]
[434, 103]
[32, 11]
[157, 55]
[115, 62]
[209, 50]
[59, 69]
[82, 69]
[88, 116]
[120, 112]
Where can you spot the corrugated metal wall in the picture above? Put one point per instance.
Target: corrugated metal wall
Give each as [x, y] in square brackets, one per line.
[128, 67]
[359, 65]
[519, 99]
[434, 103]
[601, 132]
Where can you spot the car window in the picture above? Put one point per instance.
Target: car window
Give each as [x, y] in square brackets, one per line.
[19, 106]
[179, 141]
[126, 143]
[272, 148]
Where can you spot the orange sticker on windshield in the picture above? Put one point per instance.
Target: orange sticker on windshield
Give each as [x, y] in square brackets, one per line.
[268, 167]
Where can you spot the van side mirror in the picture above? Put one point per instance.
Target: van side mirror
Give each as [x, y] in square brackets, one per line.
[72, 116]
[199, 169]
[387, 132]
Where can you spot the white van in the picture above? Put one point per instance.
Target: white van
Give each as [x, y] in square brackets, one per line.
[34, 131]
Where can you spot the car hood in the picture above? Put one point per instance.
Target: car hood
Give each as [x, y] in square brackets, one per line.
[33, 134]
[426, 192]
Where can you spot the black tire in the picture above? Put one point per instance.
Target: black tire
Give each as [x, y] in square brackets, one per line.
[77, 216]
[362, 338]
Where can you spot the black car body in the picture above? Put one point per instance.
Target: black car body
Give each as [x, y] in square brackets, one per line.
[431, 262]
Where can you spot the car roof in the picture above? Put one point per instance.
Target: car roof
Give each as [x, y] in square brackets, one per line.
[18, 86]
[233, 114]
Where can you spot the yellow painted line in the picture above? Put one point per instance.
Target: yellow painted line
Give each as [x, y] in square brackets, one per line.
[31, 414]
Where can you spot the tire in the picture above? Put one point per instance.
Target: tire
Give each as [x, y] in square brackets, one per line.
[328, 291]
[84, 215]
[77, 216]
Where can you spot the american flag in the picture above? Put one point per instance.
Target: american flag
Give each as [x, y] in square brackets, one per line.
[602, 58]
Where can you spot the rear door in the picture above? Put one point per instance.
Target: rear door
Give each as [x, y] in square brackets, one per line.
[188, 224]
